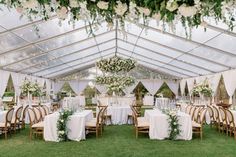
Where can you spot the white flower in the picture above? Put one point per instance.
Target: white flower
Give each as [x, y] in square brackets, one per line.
[30, 4]
[156, 16]
[175, 130]
[62, 13]
[172, 5]
[144, 11]
[103, 5]
[175, 123]
[74, 3]
[62, 120]
[121, 8]
[61, 132]
[187, 11]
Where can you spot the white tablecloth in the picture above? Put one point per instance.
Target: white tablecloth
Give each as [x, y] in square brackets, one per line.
[3, 116]
[148, 100]
[159, 126]
[76, 126]
[125, 101]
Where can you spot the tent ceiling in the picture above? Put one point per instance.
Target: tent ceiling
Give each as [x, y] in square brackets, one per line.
[62, 50]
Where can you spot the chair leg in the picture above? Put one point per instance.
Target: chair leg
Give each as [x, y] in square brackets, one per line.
[30, 134]
[136, 133]
[5, 134]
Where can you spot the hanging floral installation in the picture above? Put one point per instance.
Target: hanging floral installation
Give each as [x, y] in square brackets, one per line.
[115, 71]
[191, 13]
[202, 89]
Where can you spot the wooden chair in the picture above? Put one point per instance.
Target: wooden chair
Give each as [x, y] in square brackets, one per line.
[15, 122]
[216, 117]
[37, 114]
[191, 112]
[188, 108]
[95, 125]
[36, 127]
[106, 116]
[22, 121]
[130, 116]
[6, 127]
[224, 123]
[46, 109]
[231, 124]
[211, 114]
[198, 126]
[42, 111]
[140, 124]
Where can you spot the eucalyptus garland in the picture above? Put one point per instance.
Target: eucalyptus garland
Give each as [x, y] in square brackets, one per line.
[125, 81]
[191, 13]
[62, 124]
[116, 64]
[202, 89]
[174, 126]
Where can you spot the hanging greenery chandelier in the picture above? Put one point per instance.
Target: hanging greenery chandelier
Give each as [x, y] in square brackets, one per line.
[191, 13]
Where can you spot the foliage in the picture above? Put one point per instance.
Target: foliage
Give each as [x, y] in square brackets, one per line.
[9, 94]
[191, 13]
[165, 91]
[31, 87]
[173, 124]
[61, 125]
[202, 89]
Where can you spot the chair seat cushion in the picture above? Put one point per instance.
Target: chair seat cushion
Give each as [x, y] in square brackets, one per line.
[195, 124]
[38, 125]
[91, 123]
[143, 123]
[3, 125]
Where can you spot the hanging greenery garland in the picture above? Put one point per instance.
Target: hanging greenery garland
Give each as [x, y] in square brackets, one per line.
[202, 89]
[116, 64]
[62, 124]
[191, 13]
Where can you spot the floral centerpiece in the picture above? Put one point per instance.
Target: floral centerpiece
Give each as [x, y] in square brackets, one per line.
[202, 89]
[29, 87]
[174, 126]
[116, 64]
[191, 13]
[62, 124]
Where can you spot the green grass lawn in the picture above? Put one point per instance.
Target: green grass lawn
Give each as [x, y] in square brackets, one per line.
[119, 141]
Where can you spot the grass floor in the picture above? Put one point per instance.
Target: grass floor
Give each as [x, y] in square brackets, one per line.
[119, 141]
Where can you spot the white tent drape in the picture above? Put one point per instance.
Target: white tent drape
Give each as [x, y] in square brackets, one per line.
[17, 80]
[78, 85]
[101, 88]
[214, 82]
[130, 89]
[190, 84]
[48, 86]
[58, 85]
[174, 86]
[230, 83]
[182, 86]
[200, 79]
[4, 77]
[41, 81]
[152, 85]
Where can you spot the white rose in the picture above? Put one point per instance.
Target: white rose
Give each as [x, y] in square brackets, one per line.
[175, 130]
[172, 5]
[120, 8]
[31, 4]
[175, 123]
[62, 120]
[74, 3]
[103, 5]
[144, 11]
[62, 13]
[187, 11]
[61, 132]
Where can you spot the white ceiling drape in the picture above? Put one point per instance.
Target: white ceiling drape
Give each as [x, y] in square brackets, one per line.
[182, 86]
[174, 86]
[57, 86]
[214, 81]
[190, 84]
[130, 89]
[4, 77]
[101, 88]
[17, 80]
[230, 83]
[78, 85]
[48, 86]
[152, 85]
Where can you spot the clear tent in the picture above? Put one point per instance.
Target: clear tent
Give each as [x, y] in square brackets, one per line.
[63, 50]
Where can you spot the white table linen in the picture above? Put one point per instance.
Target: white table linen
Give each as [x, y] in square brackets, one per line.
[76, 126]
[159, 125]
[122, 101]
[148, 100]
[3, 116]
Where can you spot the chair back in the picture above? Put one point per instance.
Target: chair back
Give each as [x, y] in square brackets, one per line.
[32, 116]
[135, 117]
[211, 113]
[25, 112]
[46, 109]
[216, 114]
[99, 116]
[223, 115]
[188, 108]
[196, 114]
[42, 111]
[18, 114]
[9, 116]
[38, 114]
[192, 111]
[202, 116]
[230, 118]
